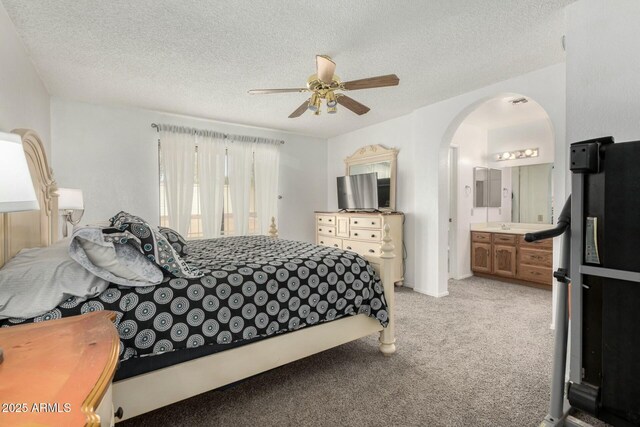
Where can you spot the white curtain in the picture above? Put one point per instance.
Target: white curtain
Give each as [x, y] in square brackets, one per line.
[211, 157]
[178, 151]
[266, 161]
[240, 163]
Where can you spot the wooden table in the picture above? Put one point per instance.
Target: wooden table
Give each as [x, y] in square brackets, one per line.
[59, 372]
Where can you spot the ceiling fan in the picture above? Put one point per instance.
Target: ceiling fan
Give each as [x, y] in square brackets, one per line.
[325, 84]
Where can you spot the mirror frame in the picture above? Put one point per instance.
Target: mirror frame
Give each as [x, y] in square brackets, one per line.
[375, 154]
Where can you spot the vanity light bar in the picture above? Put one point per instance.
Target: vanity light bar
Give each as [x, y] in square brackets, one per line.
[518, 154]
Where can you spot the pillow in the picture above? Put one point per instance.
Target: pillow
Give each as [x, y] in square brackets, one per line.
[176, 240]
[37, 280]
[110, 257]
[154, 245]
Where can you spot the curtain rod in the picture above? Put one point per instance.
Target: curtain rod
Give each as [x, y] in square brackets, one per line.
[224, 135]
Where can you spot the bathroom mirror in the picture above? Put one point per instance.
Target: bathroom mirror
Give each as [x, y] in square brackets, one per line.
[379, 159]
[487, 187]
[531, 194]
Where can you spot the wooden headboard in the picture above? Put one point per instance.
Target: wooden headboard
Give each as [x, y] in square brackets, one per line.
[36, 228]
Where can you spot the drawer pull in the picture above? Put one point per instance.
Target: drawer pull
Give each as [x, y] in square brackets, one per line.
[322, 242]
[355, 234]
[373, 235]
[355, 222]
[319, 219]
[335, 245]
[330, 220]
[372, 251]
[373, 223]
[119, 413]
[349, 247]
[330, 231]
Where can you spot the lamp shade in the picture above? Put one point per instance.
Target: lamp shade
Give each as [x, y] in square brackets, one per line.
[16, 187]
[70, 199]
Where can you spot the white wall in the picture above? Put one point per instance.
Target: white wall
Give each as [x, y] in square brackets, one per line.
[535, 134]
[424, 137]
[472, 152]
[24, 100]
[603, 65]
[112, 155]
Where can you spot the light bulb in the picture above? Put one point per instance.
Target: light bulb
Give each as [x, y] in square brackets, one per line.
[528, 152]
[506, 155]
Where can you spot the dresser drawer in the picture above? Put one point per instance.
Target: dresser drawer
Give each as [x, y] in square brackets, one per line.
[362, 234]
[535, 274]
[366, 222]
[477, 236]
[330, 241]
[362, 248]
[324, 230]
[541, 244]
[504, 239]
[535, 257]
[325, 220]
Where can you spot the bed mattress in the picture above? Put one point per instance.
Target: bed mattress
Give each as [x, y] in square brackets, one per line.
[253, 287]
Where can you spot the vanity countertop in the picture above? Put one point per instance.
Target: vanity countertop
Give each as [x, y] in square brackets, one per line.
[511, 228]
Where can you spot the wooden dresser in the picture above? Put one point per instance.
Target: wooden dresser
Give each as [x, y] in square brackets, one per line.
[59, 372]
[509, 256]
[361, 232]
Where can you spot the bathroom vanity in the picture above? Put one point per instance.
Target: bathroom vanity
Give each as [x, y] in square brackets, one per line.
[502, 253]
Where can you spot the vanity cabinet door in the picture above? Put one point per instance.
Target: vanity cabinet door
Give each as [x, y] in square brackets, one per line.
[504, 260]
[481, 257]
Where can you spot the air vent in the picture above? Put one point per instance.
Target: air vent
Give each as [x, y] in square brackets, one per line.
[518, 101]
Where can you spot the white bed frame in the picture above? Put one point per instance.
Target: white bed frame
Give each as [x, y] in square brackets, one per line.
[153, 390]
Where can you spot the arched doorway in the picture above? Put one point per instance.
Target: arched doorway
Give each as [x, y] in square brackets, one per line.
[500, 153]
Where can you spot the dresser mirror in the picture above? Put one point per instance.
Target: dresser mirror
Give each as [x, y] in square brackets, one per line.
[381, 160]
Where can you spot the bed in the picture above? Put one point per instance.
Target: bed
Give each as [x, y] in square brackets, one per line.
[261, 303]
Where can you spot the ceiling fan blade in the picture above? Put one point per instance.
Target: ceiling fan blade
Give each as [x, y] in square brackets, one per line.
[265, 91]
[325, 68]
[300, 110]
[371, 82]
[352, 105]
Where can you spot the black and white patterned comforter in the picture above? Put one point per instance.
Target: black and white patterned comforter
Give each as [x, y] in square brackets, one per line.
[253, 286]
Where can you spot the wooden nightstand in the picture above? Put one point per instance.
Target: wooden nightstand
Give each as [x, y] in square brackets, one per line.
[59, 372]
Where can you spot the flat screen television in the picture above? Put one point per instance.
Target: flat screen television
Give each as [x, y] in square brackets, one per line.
[358, 192]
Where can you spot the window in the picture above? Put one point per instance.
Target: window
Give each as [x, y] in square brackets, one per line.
[195, 226]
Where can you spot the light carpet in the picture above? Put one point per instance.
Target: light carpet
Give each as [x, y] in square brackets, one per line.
[479, 357]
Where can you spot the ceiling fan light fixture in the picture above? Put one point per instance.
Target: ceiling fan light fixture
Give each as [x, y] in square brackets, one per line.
[331, 99]
[314, 102]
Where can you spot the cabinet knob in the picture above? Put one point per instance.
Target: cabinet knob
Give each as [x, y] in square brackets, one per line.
[355, 222]
[372, 251]
[373, 235]
[355, 234]
[335, 245]
[322, 242]
[373, 223]
[319, 219]
[349, 247]
[119, 413]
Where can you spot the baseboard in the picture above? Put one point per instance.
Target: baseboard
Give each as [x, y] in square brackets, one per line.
[466, 276]
[431, 294]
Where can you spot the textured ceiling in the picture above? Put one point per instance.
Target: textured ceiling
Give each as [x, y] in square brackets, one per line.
[199, 58]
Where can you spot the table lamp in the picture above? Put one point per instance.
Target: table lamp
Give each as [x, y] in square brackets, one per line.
[71, 204]
[16, 187]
